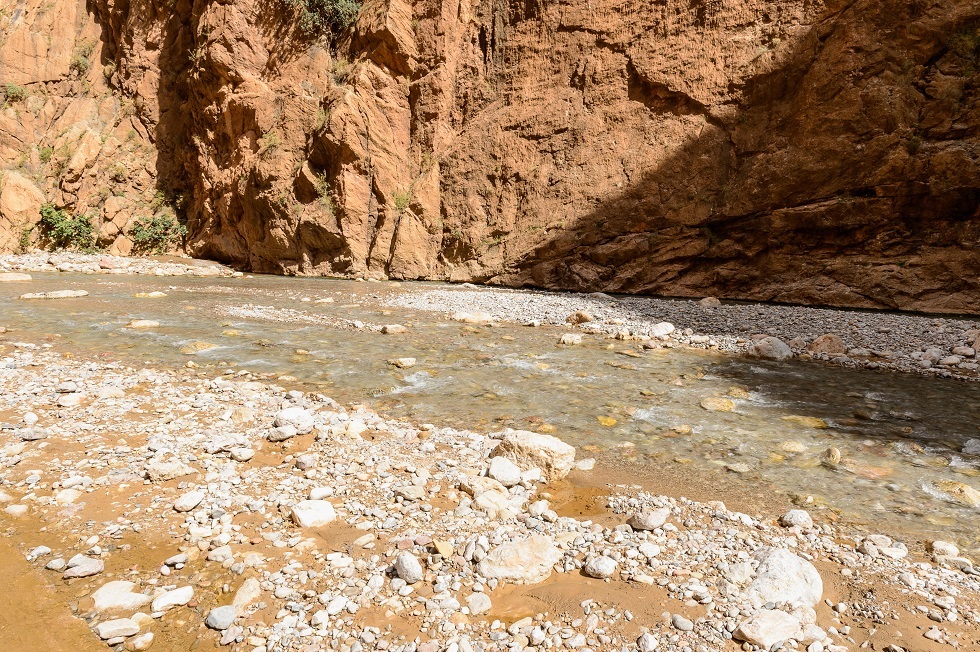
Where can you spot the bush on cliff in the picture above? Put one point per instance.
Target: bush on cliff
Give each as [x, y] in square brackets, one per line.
[67, 231]
[327, 18]
[156, 234]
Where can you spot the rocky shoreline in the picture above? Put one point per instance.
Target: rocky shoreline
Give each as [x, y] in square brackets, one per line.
[172, 507]
[930, 345]
[80, 263]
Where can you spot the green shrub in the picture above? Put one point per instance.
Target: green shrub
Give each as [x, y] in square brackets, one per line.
[270, 142]
[340, 67]
[79, 61]
[402, 200]
[156, 234]
[45, 153]
[14, 93]
[965, 43]
[322, 185]
[79, 65]
[24, 244]
[326, 18]
[67, 231]
[118, 172]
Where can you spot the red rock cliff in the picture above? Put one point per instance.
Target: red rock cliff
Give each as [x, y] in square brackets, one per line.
[804, 151]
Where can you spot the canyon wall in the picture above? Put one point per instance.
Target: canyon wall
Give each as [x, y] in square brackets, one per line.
[824, 152]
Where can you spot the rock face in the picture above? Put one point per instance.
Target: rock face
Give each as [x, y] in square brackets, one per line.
[811, 151]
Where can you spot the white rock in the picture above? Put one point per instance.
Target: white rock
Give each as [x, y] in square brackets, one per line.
[249, 592]
[161, 470]
[140, 643]
[782, 577]
[649, 519]
[15, 510]
[504, 471]
[313, 513]
[118, 595]
[661, 329]
[143, 323]
[472, 317]
[70, 400]
[188, 501]
[796, 518]
[336, 605]
[170, 599]
[121, 627]
[944, 548]
[767, 628]
[570, 339]
[600, 567]
[478, 603]
[67, 496]
[83, 566]
[408, 567]
[355, 428]
[241, 454]
[221, 554]
[221, 618]
[770, 348]
[527, 449]
[647, 642]
[527, 561]
[297, 417]
[57, 294]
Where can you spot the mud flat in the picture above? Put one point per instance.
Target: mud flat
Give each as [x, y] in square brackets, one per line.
[187, 510]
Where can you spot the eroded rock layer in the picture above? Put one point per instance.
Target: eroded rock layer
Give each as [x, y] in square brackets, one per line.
[803, 151]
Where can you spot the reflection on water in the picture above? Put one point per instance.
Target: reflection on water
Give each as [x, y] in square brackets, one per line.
[900, 437]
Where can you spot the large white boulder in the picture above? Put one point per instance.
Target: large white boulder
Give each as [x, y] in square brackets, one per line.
[782, 578]
[528, 450]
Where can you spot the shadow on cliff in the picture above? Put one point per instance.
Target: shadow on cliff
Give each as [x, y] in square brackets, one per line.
[788, 198]
[189, 80]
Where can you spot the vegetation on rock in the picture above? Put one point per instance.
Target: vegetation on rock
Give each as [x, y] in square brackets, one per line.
[156, 234]
[67, 231]
[14, 93]
[326, 18]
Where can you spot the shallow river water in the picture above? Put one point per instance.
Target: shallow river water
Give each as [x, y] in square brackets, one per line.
[908, 444]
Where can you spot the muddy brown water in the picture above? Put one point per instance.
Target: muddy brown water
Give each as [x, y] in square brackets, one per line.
[900, 436]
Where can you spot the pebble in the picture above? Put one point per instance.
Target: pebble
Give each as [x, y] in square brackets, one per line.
[796, 518]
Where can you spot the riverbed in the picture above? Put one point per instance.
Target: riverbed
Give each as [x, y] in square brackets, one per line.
[889, 450]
